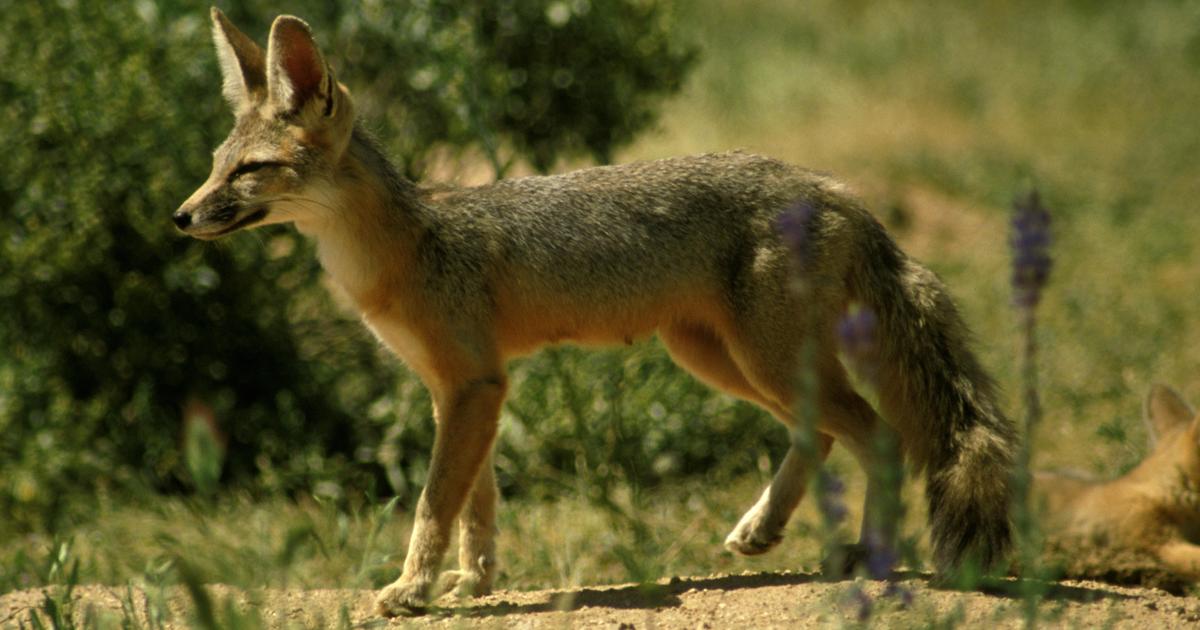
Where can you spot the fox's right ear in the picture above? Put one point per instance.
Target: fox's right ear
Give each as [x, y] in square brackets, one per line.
[243, 64]
[298, 79]
[1164, 411]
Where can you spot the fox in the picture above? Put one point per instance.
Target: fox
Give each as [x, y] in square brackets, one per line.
[457, 281]
[1149, 517]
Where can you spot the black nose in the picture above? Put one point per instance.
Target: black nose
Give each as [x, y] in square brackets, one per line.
[182, 219]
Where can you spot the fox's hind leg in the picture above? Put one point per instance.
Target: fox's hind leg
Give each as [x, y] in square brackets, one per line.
[703, 353]
[761, 527]
[852, 420]
[842, 415]
[765, 346]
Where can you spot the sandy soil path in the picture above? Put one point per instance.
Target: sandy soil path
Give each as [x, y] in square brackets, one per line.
[765, 600]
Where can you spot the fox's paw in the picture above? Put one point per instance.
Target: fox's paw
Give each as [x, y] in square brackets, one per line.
[751, 538]
[843, 560]
[403, 599]
[465, 583]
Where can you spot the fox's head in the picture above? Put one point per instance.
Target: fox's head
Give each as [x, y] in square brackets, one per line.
[1174, 430]
[294, 121]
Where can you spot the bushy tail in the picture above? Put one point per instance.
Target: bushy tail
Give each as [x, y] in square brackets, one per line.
[937, 396]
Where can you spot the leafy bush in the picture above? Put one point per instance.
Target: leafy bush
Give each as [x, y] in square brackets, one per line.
[113, 323]
[520, 79]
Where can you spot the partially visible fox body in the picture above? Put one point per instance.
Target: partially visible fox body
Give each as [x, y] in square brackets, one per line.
[460, 282]
[1152, 511]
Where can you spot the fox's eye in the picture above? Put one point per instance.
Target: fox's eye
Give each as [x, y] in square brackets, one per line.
[250, 167]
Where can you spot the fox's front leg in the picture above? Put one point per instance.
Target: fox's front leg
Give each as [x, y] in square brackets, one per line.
[466, 427]
[476, 540]
[1182, 558]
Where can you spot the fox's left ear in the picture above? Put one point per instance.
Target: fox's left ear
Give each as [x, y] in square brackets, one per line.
[297, 75]
[1164, 411]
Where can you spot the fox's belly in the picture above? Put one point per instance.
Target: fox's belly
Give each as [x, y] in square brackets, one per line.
[532, 322]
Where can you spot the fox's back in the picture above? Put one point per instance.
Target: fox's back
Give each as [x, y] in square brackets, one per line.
[609, 253]
[633, 227]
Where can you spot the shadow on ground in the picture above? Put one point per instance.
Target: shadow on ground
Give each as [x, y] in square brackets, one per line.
[655, 596]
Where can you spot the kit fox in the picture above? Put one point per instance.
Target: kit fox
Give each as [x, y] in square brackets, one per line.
[459, 282]
[1152, 511]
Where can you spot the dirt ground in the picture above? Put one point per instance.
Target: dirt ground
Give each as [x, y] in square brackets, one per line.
[762, 600]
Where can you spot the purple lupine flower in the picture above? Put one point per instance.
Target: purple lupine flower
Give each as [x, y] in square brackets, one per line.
[857, 334]
[831, 492]
[1031, 267]
[1030, 244]
[795, 228]
[881, 557]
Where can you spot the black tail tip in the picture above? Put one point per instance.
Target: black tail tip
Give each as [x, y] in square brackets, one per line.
[971, 553]
[971, 531]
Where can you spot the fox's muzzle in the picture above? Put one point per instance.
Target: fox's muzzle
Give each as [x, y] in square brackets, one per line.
[182, 219]
[206, 225]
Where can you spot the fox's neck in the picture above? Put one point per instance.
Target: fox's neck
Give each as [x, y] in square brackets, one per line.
[374, 222]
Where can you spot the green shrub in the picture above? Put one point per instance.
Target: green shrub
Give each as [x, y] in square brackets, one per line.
[112, 323]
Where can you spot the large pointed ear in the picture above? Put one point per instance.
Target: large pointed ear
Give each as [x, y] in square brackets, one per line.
[243, 65]
[1164, 411]
[297, 75]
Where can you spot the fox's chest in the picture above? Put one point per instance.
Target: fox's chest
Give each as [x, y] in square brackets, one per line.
[403, 341]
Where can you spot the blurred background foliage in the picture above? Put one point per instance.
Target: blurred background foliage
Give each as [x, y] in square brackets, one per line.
[112, 324]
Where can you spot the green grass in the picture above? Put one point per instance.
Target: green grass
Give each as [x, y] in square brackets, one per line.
[277, 543]
[308, 544]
